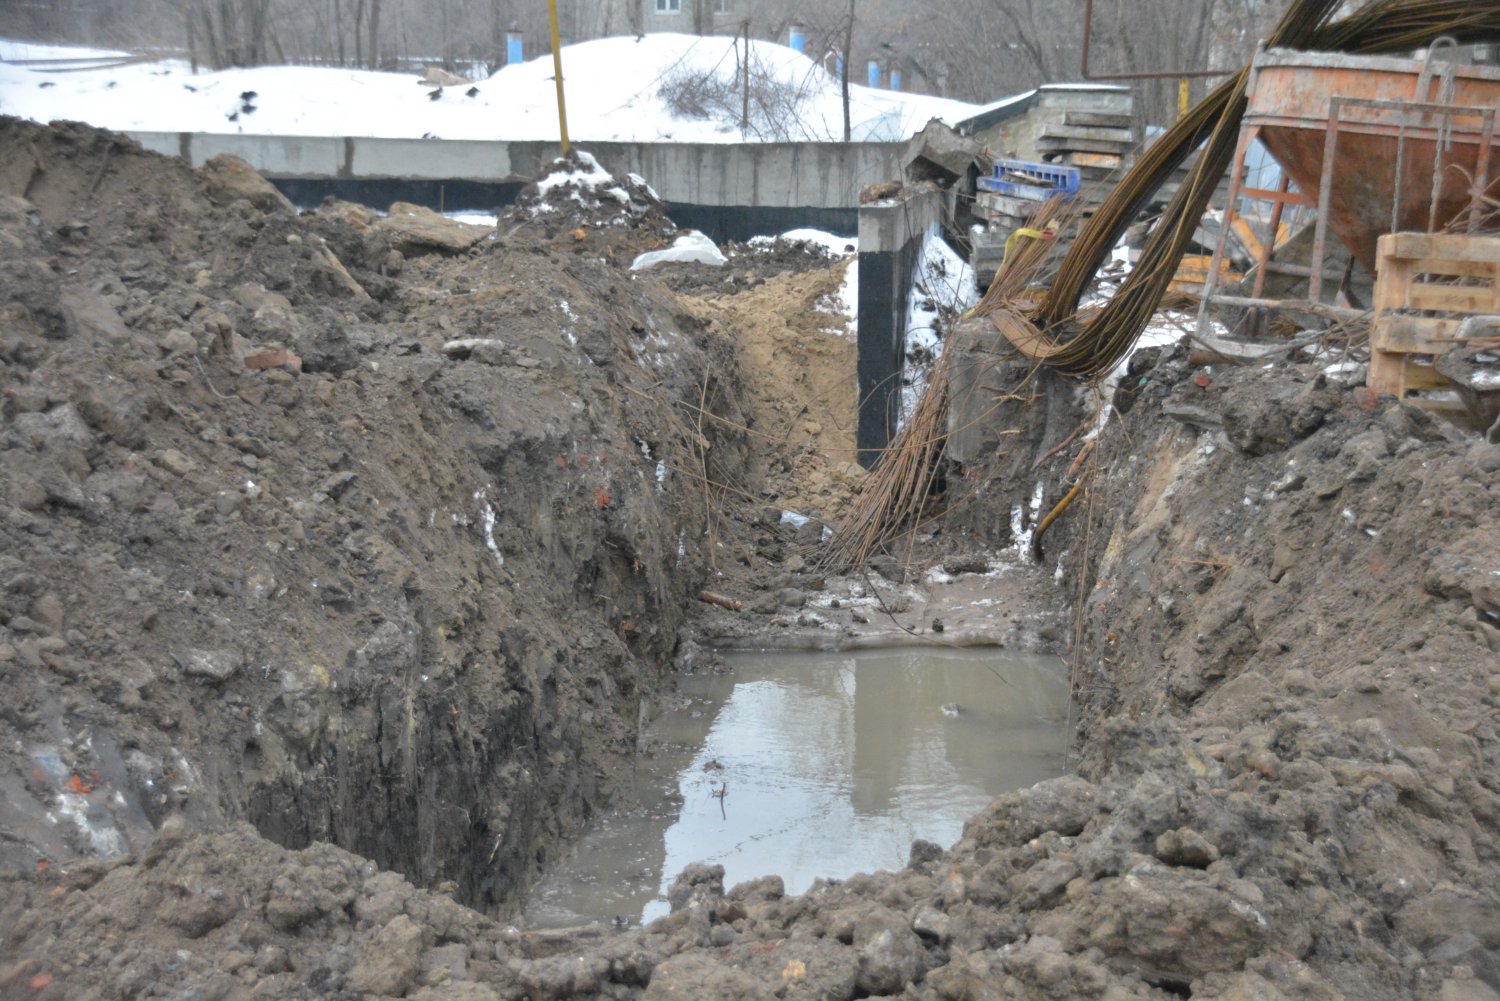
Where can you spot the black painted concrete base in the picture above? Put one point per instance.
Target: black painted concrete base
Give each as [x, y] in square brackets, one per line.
[721, 223]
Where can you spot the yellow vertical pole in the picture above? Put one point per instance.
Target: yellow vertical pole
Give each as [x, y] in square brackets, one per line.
[562, 105]
[1184, 92]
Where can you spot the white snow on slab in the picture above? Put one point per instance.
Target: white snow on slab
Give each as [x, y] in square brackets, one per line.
[613, 87]
[1115, 87]
[691, 247]
[473, 218]
[1001, 104]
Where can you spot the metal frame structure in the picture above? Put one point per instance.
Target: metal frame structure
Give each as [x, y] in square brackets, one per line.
[1336, 107]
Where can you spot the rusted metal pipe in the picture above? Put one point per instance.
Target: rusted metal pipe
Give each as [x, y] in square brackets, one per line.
[723, 601]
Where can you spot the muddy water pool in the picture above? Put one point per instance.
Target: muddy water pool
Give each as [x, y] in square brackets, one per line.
[808, 765]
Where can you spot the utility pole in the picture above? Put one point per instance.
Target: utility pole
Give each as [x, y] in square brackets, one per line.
[844, 74]
[745, 76]
[562, 106]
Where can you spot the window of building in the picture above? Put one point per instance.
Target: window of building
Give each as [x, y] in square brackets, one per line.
[723, 7]
[669, 6]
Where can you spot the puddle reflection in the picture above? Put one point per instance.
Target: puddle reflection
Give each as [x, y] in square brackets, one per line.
[807, 765]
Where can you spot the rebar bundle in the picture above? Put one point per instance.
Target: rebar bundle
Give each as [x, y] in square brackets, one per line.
[900, 485]
[1085, 350]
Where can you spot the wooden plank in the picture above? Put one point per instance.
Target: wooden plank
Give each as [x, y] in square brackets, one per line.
[1391, 279]
[1413, 334]
[1196, 267]
[1386, 374]
[1443, 246]
[1458, 269]
[1267, 195]
[1450, 298]
[1103, 161]
[1451, 408]
[1419, 377]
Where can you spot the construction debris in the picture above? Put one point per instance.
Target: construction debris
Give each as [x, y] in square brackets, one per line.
[941, 155]
[1083, 140]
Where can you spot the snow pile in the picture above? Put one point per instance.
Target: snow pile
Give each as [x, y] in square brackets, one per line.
[842, 303]
[614, 93]
[691, 247]
[581, 173]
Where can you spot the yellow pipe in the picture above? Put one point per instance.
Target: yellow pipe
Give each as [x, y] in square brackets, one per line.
[1184, 95]
[562, 105]
[1062, 506]
[1015, 238]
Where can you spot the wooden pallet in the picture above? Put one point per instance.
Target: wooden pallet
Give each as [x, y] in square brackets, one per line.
[1426, 286]
[1192, 274]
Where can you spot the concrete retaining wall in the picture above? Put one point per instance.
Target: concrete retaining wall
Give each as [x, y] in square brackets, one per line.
[890, 245]
[719, 187]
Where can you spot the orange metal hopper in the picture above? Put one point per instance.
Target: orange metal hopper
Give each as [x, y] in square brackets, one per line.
[1410, 140]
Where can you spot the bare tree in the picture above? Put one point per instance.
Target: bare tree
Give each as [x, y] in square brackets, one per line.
[981, 50]
[374, 46]
[230, 32]
[977, 50]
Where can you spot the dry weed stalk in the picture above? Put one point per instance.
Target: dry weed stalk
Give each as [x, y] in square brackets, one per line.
[896, 494]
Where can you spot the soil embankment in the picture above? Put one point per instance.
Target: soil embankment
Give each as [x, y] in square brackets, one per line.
[354, 543]
[408, 599]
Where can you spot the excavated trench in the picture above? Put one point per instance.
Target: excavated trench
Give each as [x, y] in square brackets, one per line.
[408, 596]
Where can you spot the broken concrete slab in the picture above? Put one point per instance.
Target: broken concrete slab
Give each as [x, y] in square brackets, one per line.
[938, 153]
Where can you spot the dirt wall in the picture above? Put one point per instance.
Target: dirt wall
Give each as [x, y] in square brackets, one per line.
[364, 546]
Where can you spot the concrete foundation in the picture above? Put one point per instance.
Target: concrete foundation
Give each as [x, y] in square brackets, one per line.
[730, 191]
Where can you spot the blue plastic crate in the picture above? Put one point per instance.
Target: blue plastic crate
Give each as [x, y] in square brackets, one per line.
[1036, 181]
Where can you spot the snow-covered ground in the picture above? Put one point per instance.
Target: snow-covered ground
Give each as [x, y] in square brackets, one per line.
[613, 89]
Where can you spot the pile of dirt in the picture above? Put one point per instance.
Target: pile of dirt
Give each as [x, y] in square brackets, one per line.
[798, 358]
[308, 537]
[376, 546]
[577, 205]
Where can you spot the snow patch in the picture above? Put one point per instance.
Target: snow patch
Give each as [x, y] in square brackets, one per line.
[590, 176]
[614, 95]
[487, 514]
[943, 289]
